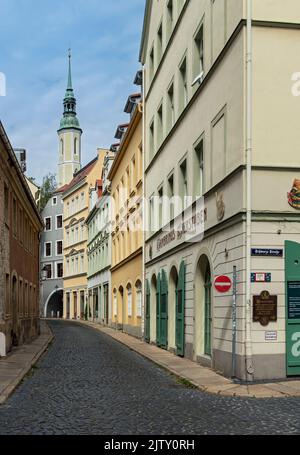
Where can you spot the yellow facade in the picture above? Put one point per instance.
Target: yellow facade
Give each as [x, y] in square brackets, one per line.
[76, 210]
[127, 238]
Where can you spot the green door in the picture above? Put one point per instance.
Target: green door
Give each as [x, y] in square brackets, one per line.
[164, 311]
[292, 284]
[180, 313]
[147, 313]
[158, 311]
[208, 319]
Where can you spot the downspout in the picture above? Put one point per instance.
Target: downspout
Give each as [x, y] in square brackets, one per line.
[143, 203]
[248, 340]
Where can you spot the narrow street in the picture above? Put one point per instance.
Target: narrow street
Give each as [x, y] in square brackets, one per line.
[87, 383]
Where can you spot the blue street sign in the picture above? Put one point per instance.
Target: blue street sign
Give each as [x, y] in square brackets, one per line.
[271, 252]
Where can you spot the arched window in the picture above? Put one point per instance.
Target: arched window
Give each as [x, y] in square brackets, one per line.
[61, 146]
[129, 300]
[115, 309]
[75, 146]
[138, 290]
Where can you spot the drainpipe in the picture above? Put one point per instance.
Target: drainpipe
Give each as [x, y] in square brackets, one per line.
[143, 204]
[248, 340]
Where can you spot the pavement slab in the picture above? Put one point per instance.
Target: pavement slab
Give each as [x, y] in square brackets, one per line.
[19, 362]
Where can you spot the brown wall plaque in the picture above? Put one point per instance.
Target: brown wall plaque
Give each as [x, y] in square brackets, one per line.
[264, 308]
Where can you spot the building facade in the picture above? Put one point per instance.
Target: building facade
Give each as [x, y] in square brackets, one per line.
[210, 103]
[99, 248]
[20, 227]
[127, 238]
[52, 258]
[76, 209]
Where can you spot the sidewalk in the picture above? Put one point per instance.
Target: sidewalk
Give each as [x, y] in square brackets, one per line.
[203, 378]
[19, 362]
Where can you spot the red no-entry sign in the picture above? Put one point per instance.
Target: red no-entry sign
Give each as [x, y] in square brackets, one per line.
[223, 283]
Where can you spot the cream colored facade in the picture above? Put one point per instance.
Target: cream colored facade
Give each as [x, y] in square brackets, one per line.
[196, 145]
[69, 161]
[127, 237]
[76, 209]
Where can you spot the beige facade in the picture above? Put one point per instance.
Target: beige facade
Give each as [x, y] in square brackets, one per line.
[200, 88]
[76, 209]
[127, 191]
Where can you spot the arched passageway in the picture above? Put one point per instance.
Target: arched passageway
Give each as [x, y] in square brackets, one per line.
[54, 305]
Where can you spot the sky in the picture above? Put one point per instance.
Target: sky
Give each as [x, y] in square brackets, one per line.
[35, 35]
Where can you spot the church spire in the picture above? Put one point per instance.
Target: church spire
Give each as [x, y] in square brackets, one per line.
[69, 119]
[70, 73]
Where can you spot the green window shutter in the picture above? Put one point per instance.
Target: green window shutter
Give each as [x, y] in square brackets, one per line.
[158, 310]
[180, 310]
[147, 313]
[164, 311]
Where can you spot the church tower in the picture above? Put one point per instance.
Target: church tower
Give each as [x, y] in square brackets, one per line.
[69, 135]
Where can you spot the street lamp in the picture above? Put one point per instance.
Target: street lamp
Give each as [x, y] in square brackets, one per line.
[44, 273]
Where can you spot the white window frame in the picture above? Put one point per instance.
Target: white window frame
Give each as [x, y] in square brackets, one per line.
[48, 218]
[45, 250]
[139, 300]
[56, 248]
[115, 304]
[51, 265]
[62, 219]
[129, 301]
[56, 274]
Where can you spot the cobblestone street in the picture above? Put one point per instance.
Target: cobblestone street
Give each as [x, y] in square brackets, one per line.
[87, 383]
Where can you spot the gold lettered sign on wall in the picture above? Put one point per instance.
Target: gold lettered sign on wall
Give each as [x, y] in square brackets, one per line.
[264, 308]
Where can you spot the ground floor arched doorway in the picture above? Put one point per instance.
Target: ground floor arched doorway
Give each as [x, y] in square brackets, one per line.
[54, 305]
[203, 308]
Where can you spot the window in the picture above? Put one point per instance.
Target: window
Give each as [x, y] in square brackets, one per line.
[198, 170]
[75, 146]
[21, 295]
[59, 270]
[151, 140]
[48, 269]
[48, 248]
[7, 294]
[61, 146]
[160, 213]
[183, 90]
[129, 301]
[14, 216]
[68, 267]
[183, 183]
[59, 221]
[170, 18]
[151, 64]
[54, 201]
[219, 147]
[159, 43]
[6, 203]
[132, 174]
[159, 125]
[82, 263]
[59, 247]
[138, 287]
[151, 214]
[171, 195]
[170, 108]
[115, 304]
[198, 55]
[48, 223]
